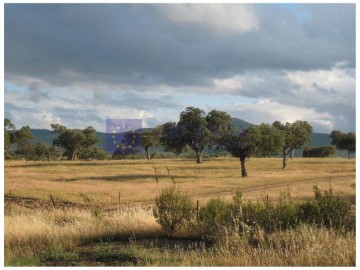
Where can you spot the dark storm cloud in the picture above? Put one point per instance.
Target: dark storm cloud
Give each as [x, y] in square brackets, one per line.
[141, 102]
[136, 44]
[79, 63]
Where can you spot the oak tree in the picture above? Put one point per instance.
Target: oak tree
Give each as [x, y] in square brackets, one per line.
[344, 141]
[72, 140]
[243, 145]
[297, 134]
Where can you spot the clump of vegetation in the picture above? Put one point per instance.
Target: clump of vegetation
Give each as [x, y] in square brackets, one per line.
[172, 210]
[326, 209]
[321, 151]
[248, 218]
[344, 141]
[215, 215]
[271, 217]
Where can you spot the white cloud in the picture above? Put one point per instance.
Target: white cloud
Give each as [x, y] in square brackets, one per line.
[267, 111]
[337, 79]
[228, 85]
[222, 19]
[46, 119]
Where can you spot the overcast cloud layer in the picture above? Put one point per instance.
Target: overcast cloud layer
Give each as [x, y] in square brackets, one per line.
[80, 64]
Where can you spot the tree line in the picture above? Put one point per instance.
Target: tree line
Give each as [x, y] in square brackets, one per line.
[194, 131]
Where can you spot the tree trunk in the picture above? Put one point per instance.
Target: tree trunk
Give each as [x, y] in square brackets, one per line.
[147, 153]
[177, 156]
[348, 154]
[292, 153]
[243, 168]
[73, 156]
[198, 156]
[284, 159]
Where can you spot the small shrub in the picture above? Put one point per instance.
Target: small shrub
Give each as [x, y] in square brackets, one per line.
[238, 201]
[215, 215]
[97, 212]
[154, 155]
[267, 215]
[250, 212]
[321, 151]
[326, 210]
[286, 216]
[172, 210]
[103, 250]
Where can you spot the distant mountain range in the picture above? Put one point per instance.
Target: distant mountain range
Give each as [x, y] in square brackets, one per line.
[45, 135]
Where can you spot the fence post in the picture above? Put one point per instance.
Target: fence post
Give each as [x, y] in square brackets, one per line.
[119, 199]
[197, 209]
[53, 202]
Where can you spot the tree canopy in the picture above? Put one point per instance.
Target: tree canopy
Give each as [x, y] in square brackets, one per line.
[297, 134]
[171, 138]
[243, 145]
[272, 140]
[8, 128]
[199, 131]
[43, 150]
[72, 140]
[22, 139]
[344, 141]
[150, 138]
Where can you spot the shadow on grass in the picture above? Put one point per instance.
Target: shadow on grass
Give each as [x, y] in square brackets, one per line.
[124, 177]
[310, 161]
[34, 164]
[60, 163]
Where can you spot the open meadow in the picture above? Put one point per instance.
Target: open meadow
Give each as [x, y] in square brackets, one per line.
[100, 212]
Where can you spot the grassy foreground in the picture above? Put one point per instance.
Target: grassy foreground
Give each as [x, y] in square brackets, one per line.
[97, 231]
[80, 237]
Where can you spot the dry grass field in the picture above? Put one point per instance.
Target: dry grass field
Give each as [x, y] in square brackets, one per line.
[101, 181]
[94, 231]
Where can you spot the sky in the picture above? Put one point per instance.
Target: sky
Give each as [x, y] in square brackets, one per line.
[80, 64]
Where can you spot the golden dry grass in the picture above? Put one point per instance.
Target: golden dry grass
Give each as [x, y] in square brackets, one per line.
[304, 246]
[41, 234]
[101, 181]
[31, 233]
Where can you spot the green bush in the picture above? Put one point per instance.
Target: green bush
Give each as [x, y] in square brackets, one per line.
[157, 155]
[251, 212]
[172, 210]
[326, 210]
[245, 218]
[215, 215]
[321, 151]
[284, 216]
